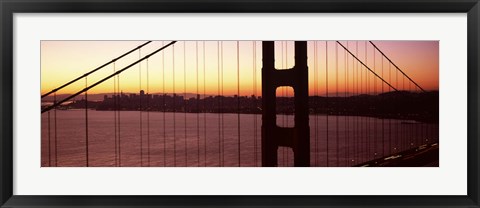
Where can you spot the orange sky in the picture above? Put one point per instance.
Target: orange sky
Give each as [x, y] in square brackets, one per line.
[62, 61]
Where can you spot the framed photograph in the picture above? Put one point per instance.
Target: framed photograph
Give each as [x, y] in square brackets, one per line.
[242, 104]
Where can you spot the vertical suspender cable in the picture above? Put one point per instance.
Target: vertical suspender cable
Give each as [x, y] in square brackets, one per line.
[140, 102]
[55, 127]
[238, 102]
[317, 82]
[326, 87]
[405, 129]
[363, 142]
[198, 106]
[375, 137]
[119, 102]
[115, 114]
[361, 129]
[185, 100]
[383, 119]
[174, 109]
[402, 128]
[363, 139]
[360, 122]
[219, 109]
[345, 109]
[422, 133]
[353, 124]
[283, 102]
[222, 107]
[367, 118]
[148, 117]
[421, 128]
[397, 144]
[367, 88]
[357, 90]
[417, 127]
[370, 113]
[315, 92]
[410, 130]
[389, 120]
[254, 46]
[204, 109]
[86, 123]
[163, 106]
[49, 142]
[353, 118]
[336, 104]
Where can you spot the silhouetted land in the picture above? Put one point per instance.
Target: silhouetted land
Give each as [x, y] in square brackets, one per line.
[422, 107]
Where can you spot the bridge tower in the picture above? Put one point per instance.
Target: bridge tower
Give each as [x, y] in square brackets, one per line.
[273, 136]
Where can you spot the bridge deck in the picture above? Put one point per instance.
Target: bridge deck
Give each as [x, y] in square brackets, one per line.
[423, 156]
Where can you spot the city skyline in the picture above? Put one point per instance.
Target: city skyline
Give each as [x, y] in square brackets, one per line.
[352, 105]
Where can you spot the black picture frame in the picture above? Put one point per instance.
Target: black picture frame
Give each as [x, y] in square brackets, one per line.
[9, 7]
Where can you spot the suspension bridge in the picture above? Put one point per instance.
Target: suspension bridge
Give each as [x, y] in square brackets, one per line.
[305, 103]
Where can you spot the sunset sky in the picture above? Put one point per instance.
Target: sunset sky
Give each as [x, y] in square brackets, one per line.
[62, 61]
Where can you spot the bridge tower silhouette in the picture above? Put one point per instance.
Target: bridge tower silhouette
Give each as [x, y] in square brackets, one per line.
[273, 136]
